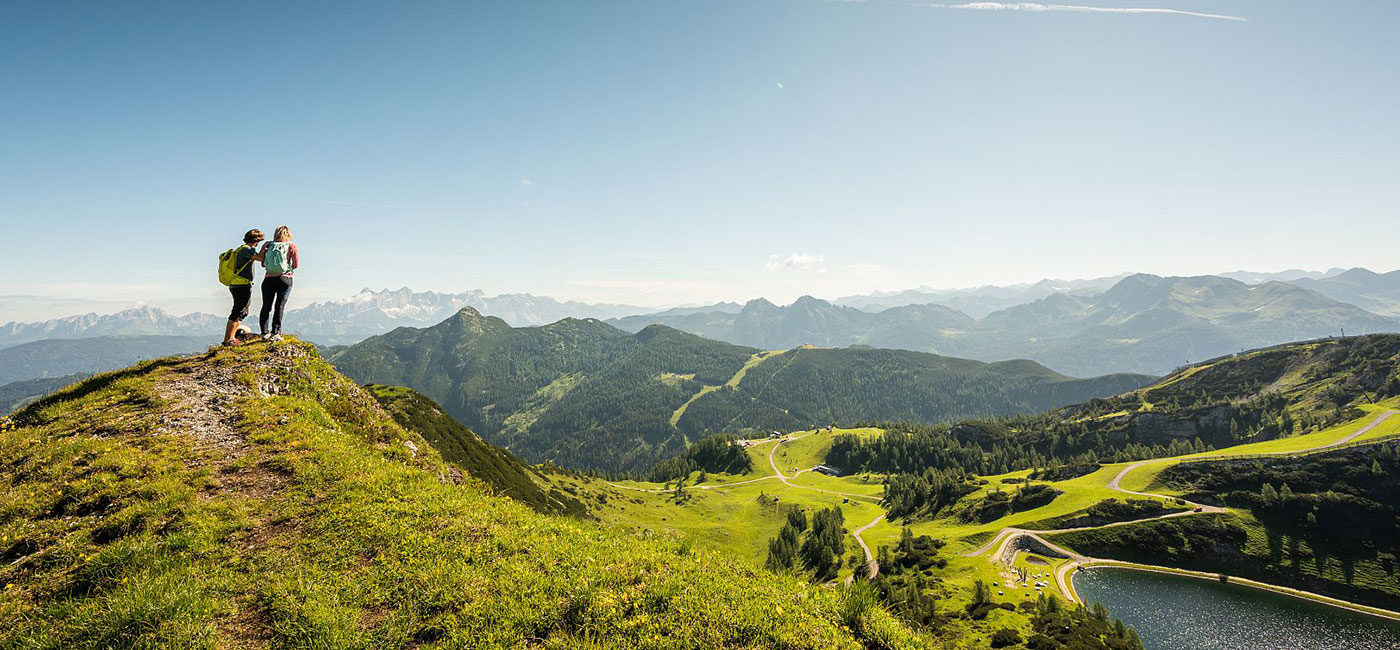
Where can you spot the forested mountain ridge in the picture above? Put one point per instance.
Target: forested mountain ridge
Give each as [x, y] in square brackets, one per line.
[1259, 395]
[587, 395]
[16, 394]
[1143, 323]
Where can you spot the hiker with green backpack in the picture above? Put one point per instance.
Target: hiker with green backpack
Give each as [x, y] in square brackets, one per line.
[280, 258]
[236, 272]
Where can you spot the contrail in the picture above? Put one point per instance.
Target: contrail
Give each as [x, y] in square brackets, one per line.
[1036, 6]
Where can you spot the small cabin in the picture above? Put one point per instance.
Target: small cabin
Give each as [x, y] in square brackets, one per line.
[828, 470]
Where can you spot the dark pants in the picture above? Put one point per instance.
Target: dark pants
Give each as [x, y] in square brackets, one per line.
[275, 289]
[242, 295]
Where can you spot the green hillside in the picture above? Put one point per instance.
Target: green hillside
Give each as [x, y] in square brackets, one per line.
[466, 450]
[807, 387]
[254, 497]
[1275, 393]
[586, 395]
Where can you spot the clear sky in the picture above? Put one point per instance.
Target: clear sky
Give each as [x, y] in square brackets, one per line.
[680, 151]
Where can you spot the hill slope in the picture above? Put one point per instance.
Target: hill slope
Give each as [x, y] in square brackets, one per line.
[587, 395]
[462, 447]
[255, 498]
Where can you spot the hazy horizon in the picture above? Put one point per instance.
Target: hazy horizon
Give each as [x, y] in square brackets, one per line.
[40, 308]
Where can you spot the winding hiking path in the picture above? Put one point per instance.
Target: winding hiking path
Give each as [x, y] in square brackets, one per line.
[872, 567]
[1005, 538]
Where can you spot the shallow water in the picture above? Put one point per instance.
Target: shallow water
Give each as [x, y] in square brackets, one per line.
[1179, 613]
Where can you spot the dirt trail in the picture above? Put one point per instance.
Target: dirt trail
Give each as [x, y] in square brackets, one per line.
[871, 565]
[203, 403]
[202, 395]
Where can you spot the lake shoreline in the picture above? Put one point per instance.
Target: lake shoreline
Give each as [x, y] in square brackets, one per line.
[1300, 594]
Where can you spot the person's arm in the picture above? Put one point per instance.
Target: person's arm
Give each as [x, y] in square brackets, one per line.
[295, 256]
[261, 253]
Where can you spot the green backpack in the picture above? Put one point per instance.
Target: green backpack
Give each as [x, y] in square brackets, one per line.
[228, 273]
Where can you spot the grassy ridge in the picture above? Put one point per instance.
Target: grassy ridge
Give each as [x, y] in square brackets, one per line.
[255, 497]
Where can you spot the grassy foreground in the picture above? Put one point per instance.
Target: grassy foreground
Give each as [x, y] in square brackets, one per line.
[254, 497]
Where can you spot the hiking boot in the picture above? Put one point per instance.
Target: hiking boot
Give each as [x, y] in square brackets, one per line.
[233, 342]
[275, 337]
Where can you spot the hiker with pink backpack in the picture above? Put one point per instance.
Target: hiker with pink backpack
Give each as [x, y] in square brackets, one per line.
[280, 259]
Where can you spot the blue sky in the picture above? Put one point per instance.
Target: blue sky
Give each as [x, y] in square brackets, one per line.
[667, 151]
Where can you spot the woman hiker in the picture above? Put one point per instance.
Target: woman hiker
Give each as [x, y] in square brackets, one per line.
[279, 258]
[239, 279]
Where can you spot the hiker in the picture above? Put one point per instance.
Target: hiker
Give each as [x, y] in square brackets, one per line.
[279, 258]
[236, 271]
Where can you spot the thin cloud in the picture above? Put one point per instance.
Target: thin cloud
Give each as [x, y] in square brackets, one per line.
[358, 204]
[1040, 7]
[527, 182]
[798, 261]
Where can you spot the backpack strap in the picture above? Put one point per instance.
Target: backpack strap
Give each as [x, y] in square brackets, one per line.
[245, 266]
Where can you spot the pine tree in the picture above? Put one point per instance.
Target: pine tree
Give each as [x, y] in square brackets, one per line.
[1285, 493]
[980, 593]
[1269, 494]
[797, 519]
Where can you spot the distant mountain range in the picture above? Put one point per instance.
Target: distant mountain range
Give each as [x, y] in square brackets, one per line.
[980, 301]
[1376, 292]
[1065, 324]
[585, 394]
[142, 321]
[1256, 277]
[336, 322]
[1142, 323]
[368, 312]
